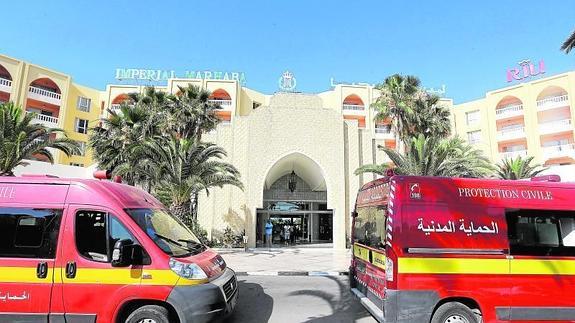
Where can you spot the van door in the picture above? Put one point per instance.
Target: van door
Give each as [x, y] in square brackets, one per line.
[542, 246]
[92, 288]
[28, 241]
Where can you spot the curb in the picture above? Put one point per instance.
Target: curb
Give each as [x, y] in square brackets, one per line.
[292, 273]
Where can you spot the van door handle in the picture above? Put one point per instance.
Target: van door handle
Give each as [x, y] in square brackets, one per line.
[42, 270]
[71, 270]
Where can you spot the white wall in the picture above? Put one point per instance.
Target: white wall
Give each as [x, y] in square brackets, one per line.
[566, 172]
[64, 171]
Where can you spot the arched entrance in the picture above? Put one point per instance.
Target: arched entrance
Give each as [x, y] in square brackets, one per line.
[295, 199]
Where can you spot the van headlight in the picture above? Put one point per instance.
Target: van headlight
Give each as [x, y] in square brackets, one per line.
[188, 271]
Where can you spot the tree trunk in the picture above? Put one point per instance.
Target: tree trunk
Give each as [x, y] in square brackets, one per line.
[182, 211]
[194, 206]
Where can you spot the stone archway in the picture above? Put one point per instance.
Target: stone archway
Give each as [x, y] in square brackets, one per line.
[295, 198]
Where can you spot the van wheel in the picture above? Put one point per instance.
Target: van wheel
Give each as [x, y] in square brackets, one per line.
[455, 312]
[149, 314]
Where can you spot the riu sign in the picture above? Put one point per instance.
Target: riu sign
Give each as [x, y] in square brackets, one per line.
[525, 70]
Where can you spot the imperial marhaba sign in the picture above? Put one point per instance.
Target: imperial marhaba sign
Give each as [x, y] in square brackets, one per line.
[158, 75]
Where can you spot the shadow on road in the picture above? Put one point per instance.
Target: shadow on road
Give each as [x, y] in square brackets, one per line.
[256, 306]
[344, 307]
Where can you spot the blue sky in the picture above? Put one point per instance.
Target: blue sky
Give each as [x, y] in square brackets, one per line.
[468, 46]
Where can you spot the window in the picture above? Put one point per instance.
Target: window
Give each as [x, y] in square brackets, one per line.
[29, 233]
[256, 105]
[474, 137]
[97, 233]
[77, 164]
[369, 227]
[82, 146]
[473, 117]
[81, 126]
[167, 232]
[541, 232]
[83, 104]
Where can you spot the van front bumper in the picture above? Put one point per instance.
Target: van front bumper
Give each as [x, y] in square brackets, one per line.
[205, 302]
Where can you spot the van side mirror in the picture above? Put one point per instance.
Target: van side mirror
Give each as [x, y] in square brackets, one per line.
[123, 253]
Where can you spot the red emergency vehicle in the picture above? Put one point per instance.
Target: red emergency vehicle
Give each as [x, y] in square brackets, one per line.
[454, 250]
[97, 251]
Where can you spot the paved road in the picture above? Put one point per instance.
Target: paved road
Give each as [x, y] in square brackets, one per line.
[279, 299]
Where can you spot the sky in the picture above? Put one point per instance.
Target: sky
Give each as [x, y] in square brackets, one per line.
[466, 46]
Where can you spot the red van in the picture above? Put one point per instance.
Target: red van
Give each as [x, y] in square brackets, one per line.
[450, 250]
[98, 251]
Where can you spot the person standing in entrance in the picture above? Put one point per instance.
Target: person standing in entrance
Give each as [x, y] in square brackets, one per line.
[269, 229]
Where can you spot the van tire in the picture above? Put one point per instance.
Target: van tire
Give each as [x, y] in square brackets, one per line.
[153, 312]
[455, 309]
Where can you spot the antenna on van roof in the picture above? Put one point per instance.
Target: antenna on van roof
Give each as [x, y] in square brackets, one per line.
[39, 175]
[546, 178]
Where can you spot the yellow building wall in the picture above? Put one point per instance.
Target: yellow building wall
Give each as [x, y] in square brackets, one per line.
[527, 94]
[73, 113]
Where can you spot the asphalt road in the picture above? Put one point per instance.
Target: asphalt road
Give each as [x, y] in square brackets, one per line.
[279, 299]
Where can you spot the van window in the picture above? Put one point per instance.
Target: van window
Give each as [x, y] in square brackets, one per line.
[369, 227]
[541, 232]
[97, 233]
[29, 233]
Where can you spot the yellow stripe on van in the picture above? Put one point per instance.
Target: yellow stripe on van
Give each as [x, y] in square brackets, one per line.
[23, 274]
[378, 260]
[542, 267]
[114, 276]
[452, 266]
[361, 252]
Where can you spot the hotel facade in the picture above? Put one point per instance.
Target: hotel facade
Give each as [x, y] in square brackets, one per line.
[297, 152]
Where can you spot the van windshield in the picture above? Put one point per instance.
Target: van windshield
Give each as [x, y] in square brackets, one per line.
[167, 232]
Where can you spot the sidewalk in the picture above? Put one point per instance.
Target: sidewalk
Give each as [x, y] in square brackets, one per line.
[288, 261]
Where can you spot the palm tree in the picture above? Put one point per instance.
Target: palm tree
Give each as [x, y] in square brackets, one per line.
[569, 43]
[432, 156]
[429, 118]
[22, 139]
[185, 167]
[518, 168]
[190, 114]
[398, 94]
[113, 139]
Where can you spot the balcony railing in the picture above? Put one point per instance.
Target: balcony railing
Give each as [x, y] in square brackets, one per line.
[509, 111]
[384, 132]
[48, 121]
[51, 97]
[553, 102]
[512, 133]
[225, 104]
[353, 107]
[5, 85]
[513, 154]
[567, 150]
[555, 126]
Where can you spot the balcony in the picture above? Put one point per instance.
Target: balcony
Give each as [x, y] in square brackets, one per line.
[48, 121]
[509, 111]
[514, 154]
[43, 95]
[353, 109]
[553, 102]
[511, 133]
[567, 150]
[5, 85]
[383, 132]
[225, 104]
[555, 126]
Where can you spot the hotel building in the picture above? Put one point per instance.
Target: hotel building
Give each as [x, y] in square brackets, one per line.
[527, 119]
[297, 152]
